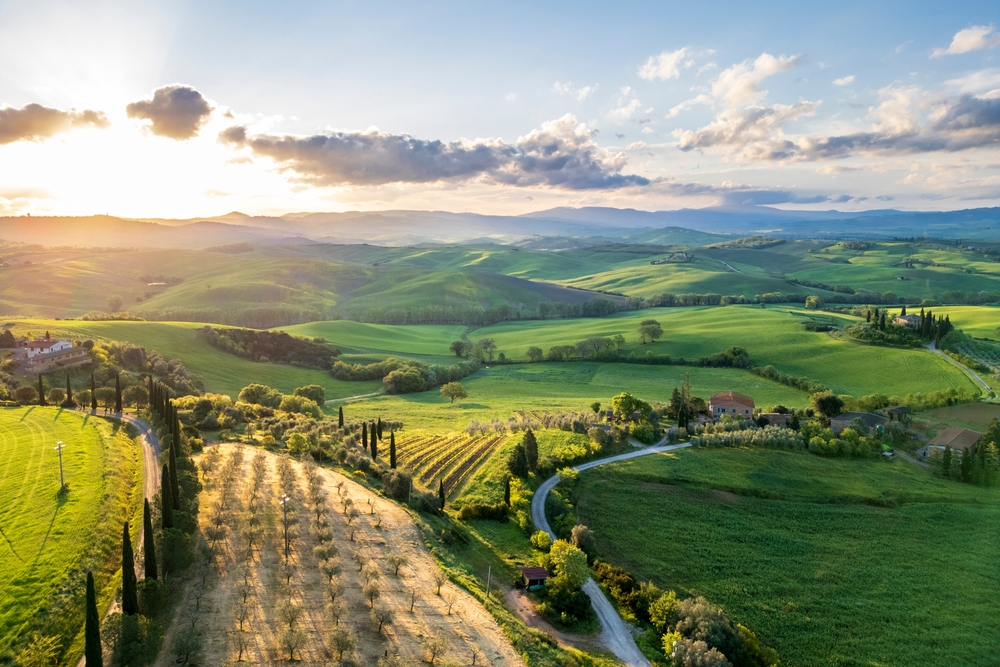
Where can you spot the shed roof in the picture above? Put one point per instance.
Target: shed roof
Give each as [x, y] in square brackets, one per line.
[957, 438]
[535, 573]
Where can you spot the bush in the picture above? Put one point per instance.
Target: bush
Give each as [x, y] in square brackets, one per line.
[396, 484]
[644, 433]
[300, 405]
[474, 511]
[541, 540]
[25, 395]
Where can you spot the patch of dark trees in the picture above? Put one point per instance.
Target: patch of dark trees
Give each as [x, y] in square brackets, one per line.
[405, 376]
[271, 346]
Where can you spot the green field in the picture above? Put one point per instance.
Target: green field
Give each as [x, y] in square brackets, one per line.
[502, 390]
[418, 340]
[774, 336]
[975, 416]
[829, 561]
[50, 541]
[221, 372]
[976, 321]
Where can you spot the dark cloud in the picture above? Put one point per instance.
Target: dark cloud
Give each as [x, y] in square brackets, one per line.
[175, 112]
[35, 122]
[562, 154]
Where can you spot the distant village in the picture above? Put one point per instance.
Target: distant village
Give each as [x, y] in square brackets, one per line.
[45, 354]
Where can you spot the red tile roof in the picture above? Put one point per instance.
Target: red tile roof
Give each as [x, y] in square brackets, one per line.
[732, 397]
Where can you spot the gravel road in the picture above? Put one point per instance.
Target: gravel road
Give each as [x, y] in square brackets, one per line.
[615, 633]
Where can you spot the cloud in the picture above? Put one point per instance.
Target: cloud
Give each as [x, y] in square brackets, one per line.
[176, 111]
[985, 82]
[35, 122]
[579, 93]
[667, 65]
[561, 154]
[844, 80]
[970, 39]
[510, 97]
[756, 130]
[739, 85]
[624, 111]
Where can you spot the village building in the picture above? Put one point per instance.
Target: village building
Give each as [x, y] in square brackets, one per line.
[959, 439]
[911, 321]
[730, 403]
[842, 421]
[33, 348]
[63, 357]
[899, 413]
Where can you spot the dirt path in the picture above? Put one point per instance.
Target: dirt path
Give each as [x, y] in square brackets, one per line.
[353, 398]
[520, 604]
[734, 270]
[364, 544]
[616, 635]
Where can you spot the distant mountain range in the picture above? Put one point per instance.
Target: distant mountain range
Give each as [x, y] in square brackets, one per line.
[556, 227]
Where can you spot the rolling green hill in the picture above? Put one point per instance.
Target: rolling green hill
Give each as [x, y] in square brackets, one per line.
[830, 561]
[773, 336]
[49, 541]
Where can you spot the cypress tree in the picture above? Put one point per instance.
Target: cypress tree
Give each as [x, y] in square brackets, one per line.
[531, 449]
[379, 428]
[946, 461]
[148, 546]
[506, 491]
[41, 391]
[175, 443]
[93, 392]
[441, 492]
[340, 417]
[364, 434]
[868, 317]
[902, 312]
[881, 322]
[69, 389]
[130, 599]
[372, 434]
[392, 450]
[175, 495]
[92, 634]
[118, 393]
[374, 447]
[166, 502]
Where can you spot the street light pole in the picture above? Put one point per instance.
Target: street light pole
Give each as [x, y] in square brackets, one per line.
[62, 480]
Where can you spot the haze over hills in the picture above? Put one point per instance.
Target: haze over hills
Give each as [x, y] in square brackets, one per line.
[584, 225]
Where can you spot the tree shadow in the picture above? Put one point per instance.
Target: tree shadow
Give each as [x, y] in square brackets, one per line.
[62, 496]
[27, 412]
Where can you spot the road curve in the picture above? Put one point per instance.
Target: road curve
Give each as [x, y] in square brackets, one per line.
[968, 371]
[615, 633]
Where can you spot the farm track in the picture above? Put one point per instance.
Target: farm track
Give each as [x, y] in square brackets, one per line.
[968, 371]
[616, 635]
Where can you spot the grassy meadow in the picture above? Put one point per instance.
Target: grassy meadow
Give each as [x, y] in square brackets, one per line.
[832, 562]
[772, 335]
[49, 541]
[501, 390]
[221, 372]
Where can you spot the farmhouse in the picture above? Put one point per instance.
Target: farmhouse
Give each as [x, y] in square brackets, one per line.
[842, 421]
[730, 403]
[33, 348]
[956, 438]
[534, 577]
[64, 357]
[911, 321]
[899, 413]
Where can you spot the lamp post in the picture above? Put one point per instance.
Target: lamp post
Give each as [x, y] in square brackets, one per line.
[284, 508]
[62, 480]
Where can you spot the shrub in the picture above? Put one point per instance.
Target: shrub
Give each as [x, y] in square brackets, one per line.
[473, 511]
[541, 540]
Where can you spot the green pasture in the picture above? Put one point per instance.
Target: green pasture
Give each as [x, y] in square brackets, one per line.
[385, 339]
[221, 372]
[975, 416]
[499, 391]
[773, 336]
[50, 541]
[976, 321]
[832, 562]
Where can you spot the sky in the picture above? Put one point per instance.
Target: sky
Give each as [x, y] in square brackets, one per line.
[187, 109]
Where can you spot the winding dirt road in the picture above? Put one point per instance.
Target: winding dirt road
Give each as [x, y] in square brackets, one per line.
[615, 633]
